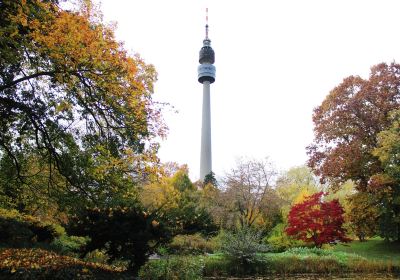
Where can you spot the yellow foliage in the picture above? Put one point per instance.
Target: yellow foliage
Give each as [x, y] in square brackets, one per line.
[304, 192]
[157, 195]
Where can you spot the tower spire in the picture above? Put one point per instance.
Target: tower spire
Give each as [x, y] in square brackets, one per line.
[206, 23]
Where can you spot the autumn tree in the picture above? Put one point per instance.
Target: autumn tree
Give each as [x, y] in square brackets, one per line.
[246, 189]
[295, 183]
[316, 221]
[363, 215]
[347, 125]
[388, 152]
[176, 200]
[73, 99]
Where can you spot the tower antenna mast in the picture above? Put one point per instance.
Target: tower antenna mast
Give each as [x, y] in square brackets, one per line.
[206, 23]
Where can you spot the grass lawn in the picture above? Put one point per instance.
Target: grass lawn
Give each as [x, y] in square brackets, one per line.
[374, 248]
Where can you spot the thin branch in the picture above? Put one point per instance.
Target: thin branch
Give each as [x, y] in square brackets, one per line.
[13, 83]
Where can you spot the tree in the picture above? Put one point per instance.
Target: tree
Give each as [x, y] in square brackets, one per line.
[128, 233]
[317, 221]
[347, 124]
[73, 98]
[246, 188]
[388, 152]
[363, 215]
[210, 179]
[347, 128]
[296, 181]
[177, 201]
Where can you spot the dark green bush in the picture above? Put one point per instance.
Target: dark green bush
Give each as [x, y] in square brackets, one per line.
[19, 230]
[179, 267]
[124, 233]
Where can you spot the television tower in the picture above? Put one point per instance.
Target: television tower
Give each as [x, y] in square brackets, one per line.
[206, 76]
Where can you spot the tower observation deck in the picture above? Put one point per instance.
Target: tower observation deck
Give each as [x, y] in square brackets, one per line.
[206, 76]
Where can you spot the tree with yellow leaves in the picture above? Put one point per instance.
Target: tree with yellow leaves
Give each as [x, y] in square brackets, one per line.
[74, 99]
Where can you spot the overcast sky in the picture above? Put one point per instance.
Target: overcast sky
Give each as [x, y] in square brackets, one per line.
[275, 60]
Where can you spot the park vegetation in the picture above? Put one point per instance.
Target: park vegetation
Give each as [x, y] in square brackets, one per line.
[83, 194]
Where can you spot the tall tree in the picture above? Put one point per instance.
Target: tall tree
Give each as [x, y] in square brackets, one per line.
[74, 99]
[347, 125]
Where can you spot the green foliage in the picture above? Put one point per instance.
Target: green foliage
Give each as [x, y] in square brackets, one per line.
[126, 233]
[69, 245]
[190, 218]
[182, 268]
[181, 181]
[243, 245]
[32, 264]
[191, 244]
[279, 241]
[18, 230]
[210, 179]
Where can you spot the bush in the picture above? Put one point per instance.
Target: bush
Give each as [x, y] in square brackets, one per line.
[279, 241]
[69, 245]
[182, 268]
[243, 246]
[19, 230]
[191, 244]
[124, 233]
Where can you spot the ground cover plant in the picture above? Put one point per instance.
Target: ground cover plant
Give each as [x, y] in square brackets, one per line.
[42, 264]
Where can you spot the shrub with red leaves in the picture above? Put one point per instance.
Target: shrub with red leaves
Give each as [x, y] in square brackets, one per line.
[316, 221]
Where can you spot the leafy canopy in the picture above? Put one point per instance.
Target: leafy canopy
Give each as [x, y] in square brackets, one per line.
[74, 101]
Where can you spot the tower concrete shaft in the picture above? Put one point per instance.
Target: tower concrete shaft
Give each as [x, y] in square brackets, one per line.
[205, 156]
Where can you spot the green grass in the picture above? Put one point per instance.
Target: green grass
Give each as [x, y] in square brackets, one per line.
[299, 261]
[373, 249]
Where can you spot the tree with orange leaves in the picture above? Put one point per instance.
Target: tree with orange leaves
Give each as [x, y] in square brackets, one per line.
[347, 126]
